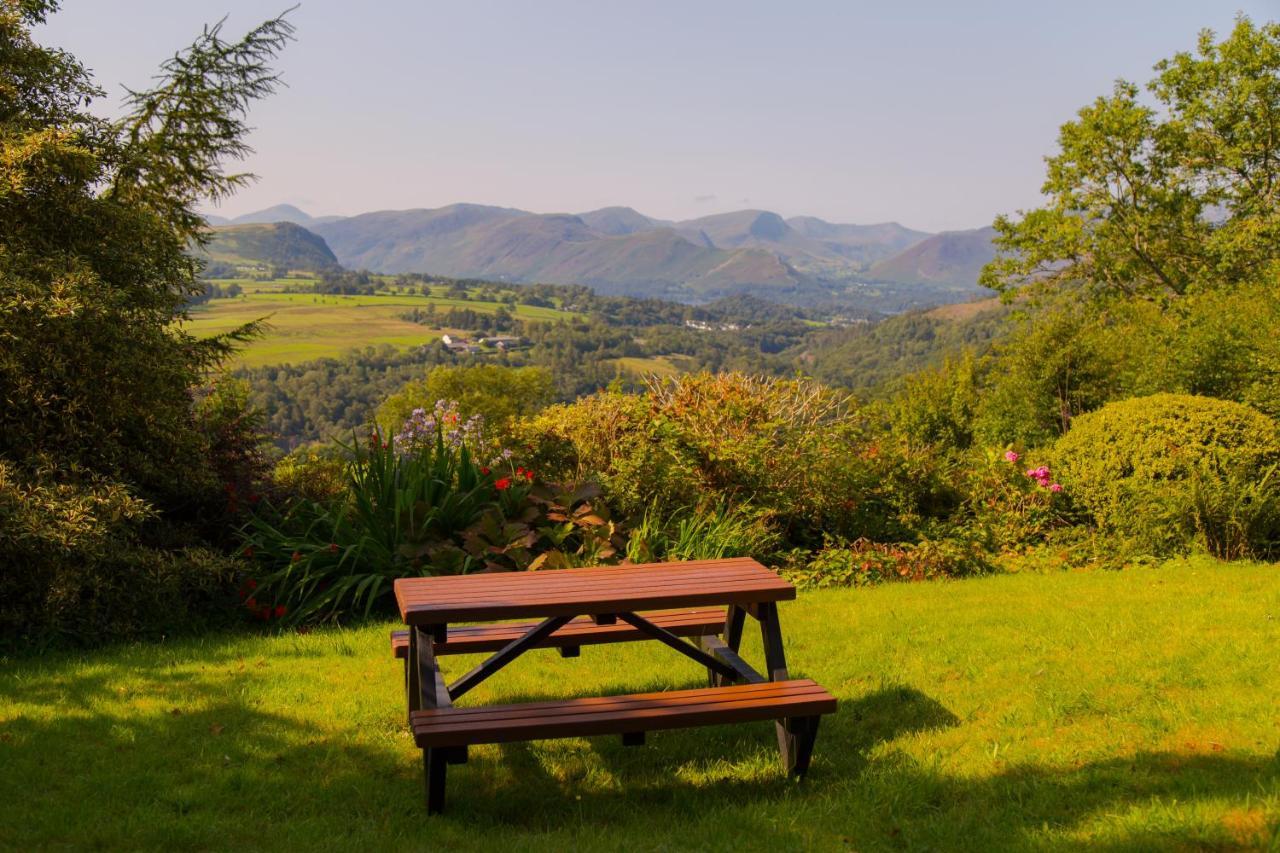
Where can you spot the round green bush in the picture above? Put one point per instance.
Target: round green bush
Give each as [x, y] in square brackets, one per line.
[1171, 471]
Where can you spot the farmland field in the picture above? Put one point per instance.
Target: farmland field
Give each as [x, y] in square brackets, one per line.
[305, 326]
[660, 365]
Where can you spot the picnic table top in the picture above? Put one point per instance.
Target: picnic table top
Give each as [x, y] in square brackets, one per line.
[571, 592]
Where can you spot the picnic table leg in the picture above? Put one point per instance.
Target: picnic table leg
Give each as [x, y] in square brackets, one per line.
[427, 689]
[792, 733]
[734, 618]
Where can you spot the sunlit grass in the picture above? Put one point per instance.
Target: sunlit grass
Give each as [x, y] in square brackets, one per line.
[1131, 710]
[660, 365]
[305, 326]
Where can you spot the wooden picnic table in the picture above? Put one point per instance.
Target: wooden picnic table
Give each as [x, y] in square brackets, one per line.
[600, 605]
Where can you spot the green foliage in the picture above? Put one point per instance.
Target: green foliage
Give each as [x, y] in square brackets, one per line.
[1166, 200]
[1167, 472]
[1009, 503]
[417, 504]
[935, 407]
[1055, 363]
[98, 432]
[498, 394]
[864, 562]
[793, 449]
[78, 566]
[316, 472]
[397, 518]
[693, 534]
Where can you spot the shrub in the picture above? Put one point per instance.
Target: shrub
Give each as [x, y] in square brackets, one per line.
[864, 562]
[496, 393]
[77, 568]
[936, 407]
[1010, 502]
[1170, 471]
[315, 472]
[796, 451]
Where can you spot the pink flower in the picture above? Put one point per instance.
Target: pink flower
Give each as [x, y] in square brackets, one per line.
[1040, 475]
[1055, 487]
[1011, 456]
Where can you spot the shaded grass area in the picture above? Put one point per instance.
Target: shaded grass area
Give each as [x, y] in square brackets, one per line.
[1113, 711]
[306, 326]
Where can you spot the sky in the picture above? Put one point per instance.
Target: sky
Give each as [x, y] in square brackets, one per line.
[937, 115]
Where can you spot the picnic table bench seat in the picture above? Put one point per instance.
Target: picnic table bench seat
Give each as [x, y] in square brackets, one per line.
[445, 733]
[583, 631]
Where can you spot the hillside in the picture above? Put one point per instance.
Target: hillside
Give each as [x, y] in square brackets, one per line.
[807, 243]
[281, 244]
[950, 259]
[610, 250]
[803, 260]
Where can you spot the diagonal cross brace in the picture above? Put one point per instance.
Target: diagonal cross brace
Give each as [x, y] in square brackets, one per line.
[507, 654]
[665, 636]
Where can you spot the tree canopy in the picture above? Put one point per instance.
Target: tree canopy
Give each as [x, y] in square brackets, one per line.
[1162, 199]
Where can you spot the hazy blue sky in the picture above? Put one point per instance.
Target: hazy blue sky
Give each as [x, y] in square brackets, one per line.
[934, 114]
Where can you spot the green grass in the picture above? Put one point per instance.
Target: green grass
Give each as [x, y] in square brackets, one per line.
[660, 365]
[305, 326]
[1114, 711]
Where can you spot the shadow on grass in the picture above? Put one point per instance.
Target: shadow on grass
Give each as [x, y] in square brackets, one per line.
[226, 773]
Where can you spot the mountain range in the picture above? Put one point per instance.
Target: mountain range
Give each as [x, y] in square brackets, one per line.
[618, 250]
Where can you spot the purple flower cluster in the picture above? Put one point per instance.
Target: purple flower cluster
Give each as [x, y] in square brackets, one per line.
[422, 427]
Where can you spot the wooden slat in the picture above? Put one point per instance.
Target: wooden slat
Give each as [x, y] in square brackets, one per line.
[621, 714]
[469, 639]
[571, 592]
[624, 701]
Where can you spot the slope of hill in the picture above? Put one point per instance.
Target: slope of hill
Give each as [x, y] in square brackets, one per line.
[466, 240]
[281, 244]
[617, 221]
[803, 260]
[949, 259]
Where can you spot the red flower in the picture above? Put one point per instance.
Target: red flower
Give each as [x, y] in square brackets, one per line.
[281, 610]
[484, 469]
[528, 475]
[333, 547]
[503, 484]
[264, 614]
[251, 603]
[248, 550]
[251, 583]
[253, 499]
[297, 555]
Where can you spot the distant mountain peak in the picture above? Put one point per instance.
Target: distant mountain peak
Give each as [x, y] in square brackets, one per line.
[769, 226]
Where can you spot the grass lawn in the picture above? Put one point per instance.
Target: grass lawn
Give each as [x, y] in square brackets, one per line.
[305, 326]
[1115, 711]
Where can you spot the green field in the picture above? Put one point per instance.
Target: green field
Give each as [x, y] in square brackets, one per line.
[661, 365]
[1073, 711]
[305, 326]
